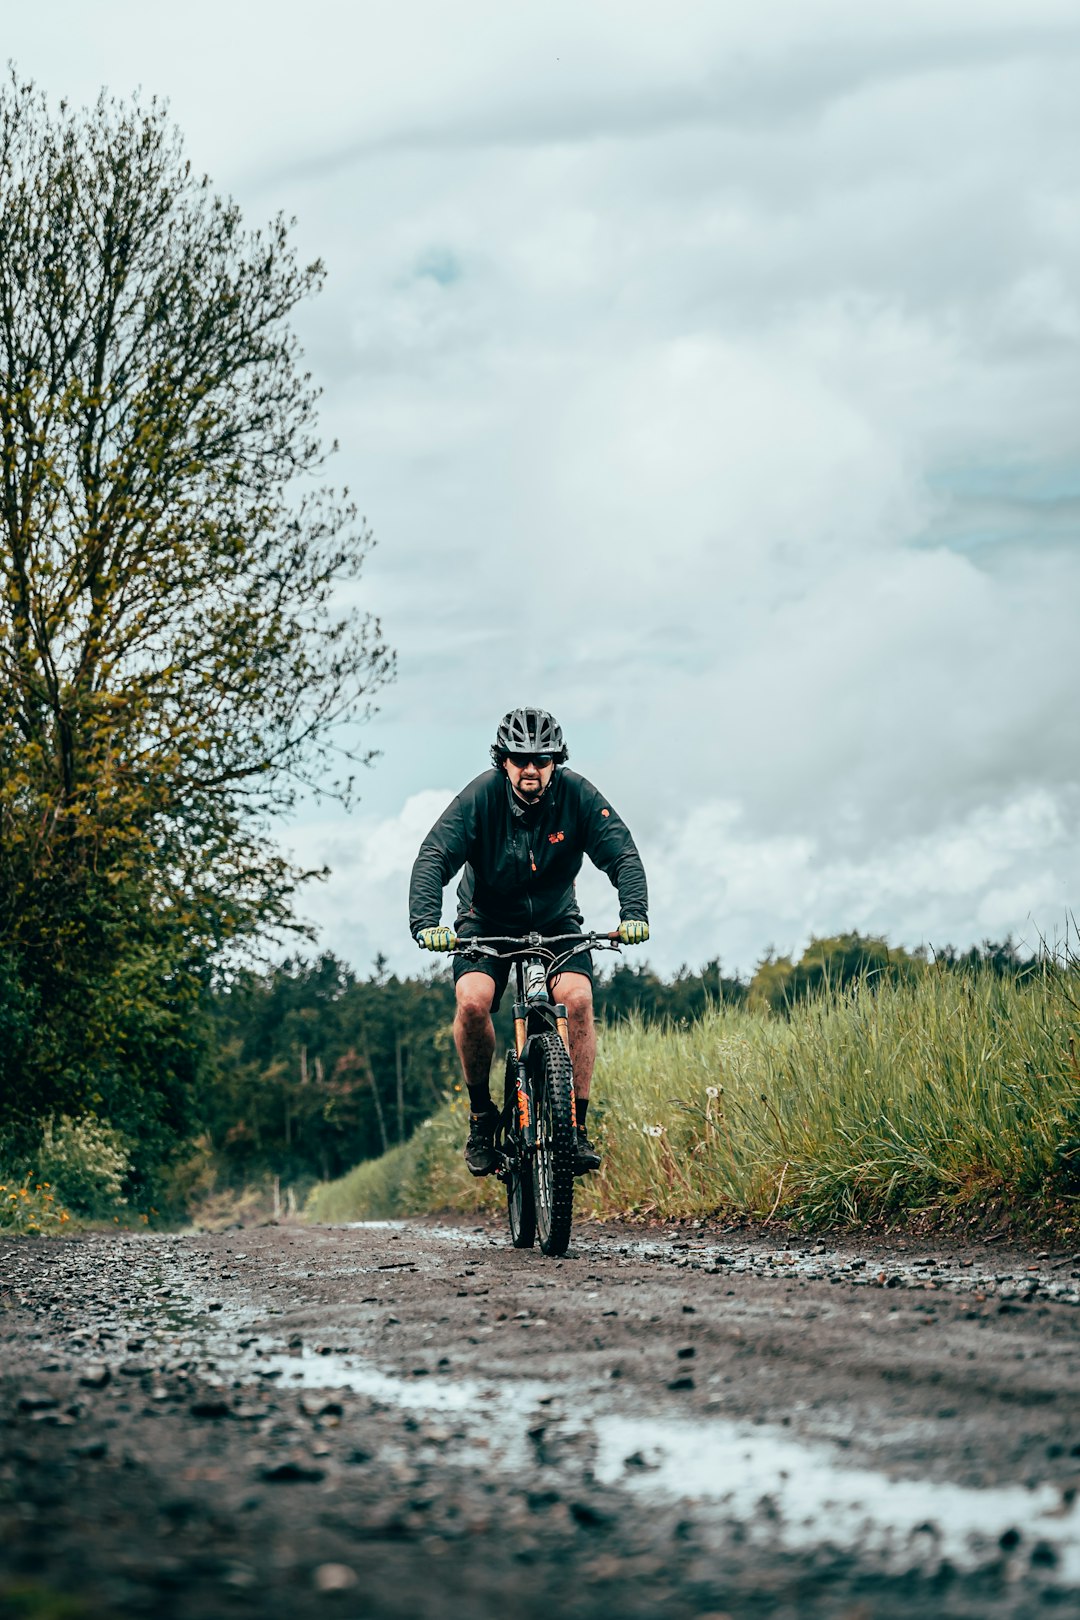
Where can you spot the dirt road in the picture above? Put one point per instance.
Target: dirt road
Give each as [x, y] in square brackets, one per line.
[392, 1421]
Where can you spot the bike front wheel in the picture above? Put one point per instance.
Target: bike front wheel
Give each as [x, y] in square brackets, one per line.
[553, 1162]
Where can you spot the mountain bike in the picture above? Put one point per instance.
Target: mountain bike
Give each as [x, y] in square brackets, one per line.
[536, 1135]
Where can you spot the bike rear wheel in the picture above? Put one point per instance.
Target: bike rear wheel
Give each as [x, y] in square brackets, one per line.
[521, 1205]
[520, 1202]
[553, 1163]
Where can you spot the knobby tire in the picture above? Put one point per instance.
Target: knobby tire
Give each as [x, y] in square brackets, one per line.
[553, 1163]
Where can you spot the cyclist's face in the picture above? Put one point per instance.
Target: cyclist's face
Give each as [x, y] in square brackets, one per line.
[529, 780]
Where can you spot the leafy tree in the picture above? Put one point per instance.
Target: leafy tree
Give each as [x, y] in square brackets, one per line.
[1000, 957]
[826, 964]
[772, 977]
[174, 656]
[629, 988]
[316, 1069]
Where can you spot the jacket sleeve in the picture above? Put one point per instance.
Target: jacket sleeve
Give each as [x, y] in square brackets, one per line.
[607, 842]
[443, 852]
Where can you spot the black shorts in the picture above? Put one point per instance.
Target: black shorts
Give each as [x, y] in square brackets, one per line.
[477, 928]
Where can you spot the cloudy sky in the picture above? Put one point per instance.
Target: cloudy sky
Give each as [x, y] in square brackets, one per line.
[708, 374]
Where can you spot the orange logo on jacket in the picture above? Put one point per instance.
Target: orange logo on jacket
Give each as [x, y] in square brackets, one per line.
[556, 838]
[605, 812]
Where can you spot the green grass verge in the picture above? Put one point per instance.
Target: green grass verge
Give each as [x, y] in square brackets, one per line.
[947, 1090]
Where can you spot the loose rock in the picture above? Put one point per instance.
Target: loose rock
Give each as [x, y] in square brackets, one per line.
[334, 1578]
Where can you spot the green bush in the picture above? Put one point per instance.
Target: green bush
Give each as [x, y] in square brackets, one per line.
[86, 1162]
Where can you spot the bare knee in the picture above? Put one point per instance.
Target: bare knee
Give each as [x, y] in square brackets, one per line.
[474, 999]
[576, 996]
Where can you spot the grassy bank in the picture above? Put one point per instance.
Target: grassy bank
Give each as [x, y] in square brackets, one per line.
[946, 1090]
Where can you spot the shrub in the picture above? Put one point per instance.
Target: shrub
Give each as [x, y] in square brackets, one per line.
[86, 1162]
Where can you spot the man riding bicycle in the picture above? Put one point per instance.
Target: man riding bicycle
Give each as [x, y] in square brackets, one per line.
[521, 831]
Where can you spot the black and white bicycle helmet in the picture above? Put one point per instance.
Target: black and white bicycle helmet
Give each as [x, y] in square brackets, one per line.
[529, 731]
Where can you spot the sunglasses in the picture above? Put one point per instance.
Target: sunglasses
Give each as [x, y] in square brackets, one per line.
[521, 760]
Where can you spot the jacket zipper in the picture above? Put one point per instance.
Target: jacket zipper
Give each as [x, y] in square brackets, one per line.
[528, 894]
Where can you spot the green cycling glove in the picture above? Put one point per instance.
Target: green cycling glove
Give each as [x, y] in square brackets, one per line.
[632, 932]
[437, 939]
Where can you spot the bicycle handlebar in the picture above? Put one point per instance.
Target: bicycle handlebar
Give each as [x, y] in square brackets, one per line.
[539, 943]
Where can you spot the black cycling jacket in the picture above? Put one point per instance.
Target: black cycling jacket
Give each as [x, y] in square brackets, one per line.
[521, 860]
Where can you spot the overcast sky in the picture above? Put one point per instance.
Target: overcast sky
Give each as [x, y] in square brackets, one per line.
[708, 374]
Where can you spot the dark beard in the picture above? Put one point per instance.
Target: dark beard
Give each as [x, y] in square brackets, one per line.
[532, 796]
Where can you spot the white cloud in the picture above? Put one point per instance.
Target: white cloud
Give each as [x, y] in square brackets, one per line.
[992, 873]
[364, 909]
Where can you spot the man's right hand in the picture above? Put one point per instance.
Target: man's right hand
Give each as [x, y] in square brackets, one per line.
[436, 939]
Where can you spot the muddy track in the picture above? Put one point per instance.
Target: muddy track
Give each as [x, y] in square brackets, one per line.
[397, 1420]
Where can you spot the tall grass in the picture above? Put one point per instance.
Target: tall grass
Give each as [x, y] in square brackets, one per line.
[425, 1173]
[948, 1088]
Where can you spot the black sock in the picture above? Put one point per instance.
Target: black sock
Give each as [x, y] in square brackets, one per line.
[480, 1099]
[581, 1108]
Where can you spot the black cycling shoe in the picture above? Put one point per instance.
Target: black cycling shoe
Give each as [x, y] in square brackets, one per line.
[480, 1155]
[586, 1157]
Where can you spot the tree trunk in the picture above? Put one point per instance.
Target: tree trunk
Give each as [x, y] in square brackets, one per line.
[378, 1101]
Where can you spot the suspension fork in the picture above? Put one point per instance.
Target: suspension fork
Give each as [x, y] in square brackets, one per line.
[547, 1016]
[564, 1035]
[520, 1026]
[526, 1105]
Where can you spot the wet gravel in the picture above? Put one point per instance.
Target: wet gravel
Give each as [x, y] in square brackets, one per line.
[382, 1420]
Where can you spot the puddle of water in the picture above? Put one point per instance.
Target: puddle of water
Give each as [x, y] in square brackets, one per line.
[492, 1428]
[307, 1369]
[781, 1489]
[798, 1494]
[310, 1371]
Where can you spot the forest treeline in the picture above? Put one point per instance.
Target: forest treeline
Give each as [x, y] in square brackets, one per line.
[315, 1069]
